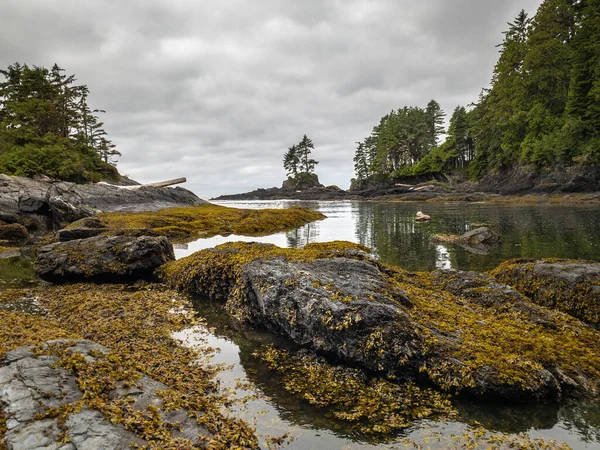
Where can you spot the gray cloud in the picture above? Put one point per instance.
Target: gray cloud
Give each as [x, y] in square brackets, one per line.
[217, 90]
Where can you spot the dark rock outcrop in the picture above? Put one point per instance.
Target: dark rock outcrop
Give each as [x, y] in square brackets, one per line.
[569, 286]
[31, 384]
[23, 200]
[463, 331]
[103, 258]
[311, 193]
[70, 234]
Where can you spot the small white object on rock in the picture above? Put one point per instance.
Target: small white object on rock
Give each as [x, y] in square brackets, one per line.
[422, 217]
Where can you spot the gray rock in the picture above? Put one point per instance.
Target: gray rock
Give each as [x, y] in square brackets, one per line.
[108, 258]
[478, 237]
[70, 234]
[59, 201]
[354, 310]
[31, 384]
[569, 286]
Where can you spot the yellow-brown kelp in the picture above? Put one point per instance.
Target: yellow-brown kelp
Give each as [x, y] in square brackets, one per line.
[488, 340]
[136, 324]
[569, 286]
[191, 222]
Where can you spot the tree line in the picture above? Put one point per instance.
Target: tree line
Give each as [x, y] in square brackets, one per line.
[47, 127]
[542, 109]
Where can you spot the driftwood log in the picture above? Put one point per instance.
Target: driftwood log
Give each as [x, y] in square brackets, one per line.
[158, 183]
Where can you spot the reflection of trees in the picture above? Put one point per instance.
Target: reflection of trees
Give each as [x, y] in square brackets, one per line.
[303, 235]
[526, 231]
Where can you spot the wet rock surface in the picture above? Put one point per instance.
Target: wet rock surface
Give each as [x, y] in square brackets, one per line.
[566, 285]
[479, 241]
[463, 331]
[23, 200]
[31, 384]
[103, 258]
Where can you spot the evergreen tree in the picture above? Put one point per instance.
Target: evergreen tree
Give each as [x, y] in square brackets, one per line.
[435, 122]
[291, 161]
[47, 128]
[304, 149]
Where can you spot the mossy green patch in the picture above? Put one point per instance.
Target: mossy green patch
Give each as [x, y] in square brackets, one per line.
[190, 222]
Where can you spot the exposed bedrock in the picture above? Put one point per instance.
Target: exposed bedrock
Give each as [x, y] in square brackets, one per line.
[46, 204]
[103, 258]
[463, 331]
[34, 385]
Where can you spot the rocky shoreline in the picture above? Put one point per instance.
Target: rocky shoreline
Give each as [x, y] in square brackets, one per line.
[93, 362]
[522, 184]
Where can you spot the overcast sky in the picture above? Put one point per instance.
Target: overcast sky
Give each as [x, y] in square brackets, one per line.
[217, 90]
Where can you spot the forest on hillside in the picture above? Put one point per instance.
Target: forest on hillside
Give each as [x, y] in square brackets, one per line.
[541, 111]
[47, 127]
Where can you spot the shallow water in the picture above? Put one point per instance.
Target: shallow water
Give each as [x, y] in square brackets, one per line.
[390, 230]
[276, 411]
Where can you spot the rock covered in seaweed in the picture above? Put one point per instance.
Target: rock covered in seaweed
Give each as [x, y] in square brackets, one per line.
[566, 285]
[103, 258]
[37, 390]
[479, 241]
[461, 330]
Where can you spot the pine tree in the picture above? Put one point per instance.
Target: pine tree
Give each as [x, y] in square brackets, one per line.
[291, 161]
[304, 149]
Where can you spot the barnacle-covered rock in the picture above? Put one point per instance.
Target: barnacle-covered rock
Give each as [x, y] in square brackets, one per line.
[461, 330]
[105, 258]
[566, 285]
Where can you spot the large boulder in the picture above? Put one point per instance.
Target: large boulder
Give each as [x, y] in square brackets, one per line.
[460, 330]
[60, 201]
[566, 285]
[103, 258]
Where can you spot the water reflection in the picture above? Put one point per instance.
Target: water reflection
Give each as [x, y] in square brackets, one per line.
[275, 411]
[390, 230]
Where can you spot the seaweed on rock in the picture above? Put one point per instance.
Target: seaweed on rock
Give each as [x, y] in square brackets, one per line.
[464, 331]
[206, 220]
[136, 323]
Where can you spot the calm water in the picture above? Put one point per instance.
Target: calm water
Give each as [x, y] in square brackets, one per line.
[390, 231]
